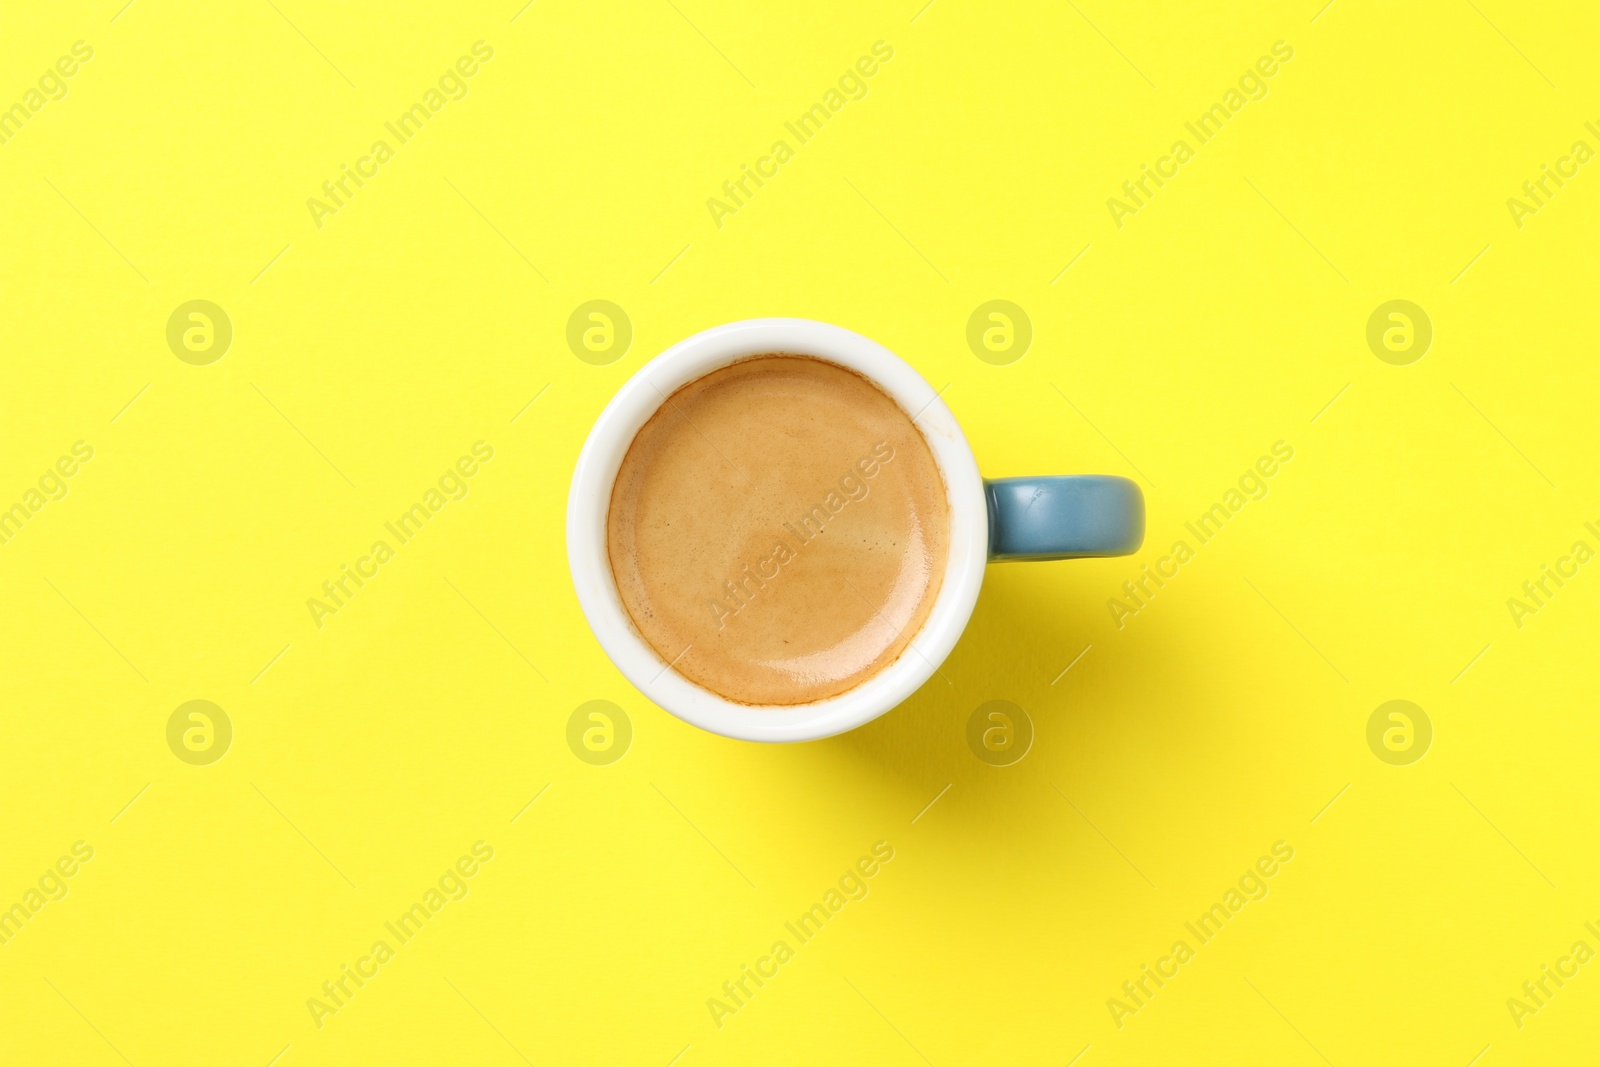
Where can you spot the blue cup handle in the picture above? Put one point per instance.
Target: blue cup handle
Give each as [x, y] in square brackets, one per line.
[1063, 517]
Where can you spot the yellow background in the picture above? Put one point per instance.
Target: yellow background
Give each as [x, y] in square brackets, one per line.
[368, 354]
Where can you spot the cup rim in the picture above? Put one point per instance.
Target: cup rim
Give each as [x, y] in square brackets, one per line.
[589, 502]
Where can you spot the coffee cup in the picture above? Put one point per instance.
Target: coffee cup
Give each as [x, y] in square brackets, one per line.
[1008, 519]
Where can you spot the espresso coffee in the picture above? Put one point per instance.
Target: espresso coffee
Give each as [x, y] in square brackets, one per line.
[779, 530]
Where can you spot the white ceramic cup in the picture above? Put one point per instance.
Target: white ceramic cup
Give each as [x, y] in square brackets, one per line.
[590, 500]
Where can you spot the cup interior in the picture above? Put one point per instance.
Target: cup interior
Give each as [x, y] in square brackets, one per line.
[590, 500]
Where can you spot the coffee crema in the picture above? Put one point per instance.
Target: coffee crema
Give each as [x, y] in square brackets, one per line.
[779, 530]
